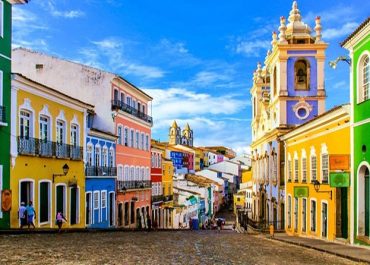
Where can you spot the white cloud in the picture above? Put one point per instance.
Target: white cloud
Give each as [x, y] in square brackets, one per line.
[205, 78]
[177, 102]
[50, 6]
[25, 25]
[344, 30]
[252, 48]
[112, 51]
[341, 84]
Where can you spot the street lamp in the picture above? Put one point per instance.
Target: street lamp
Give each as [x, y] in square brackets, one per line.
[316, 185]
[333, 64]
[65, 172]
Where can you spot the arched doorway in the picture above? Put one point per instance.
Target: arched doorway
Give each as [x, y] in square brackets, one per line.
[363, 201]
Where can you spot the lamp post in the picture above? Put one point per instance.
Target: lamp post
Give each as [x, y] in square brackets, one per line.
[333, 64]
[316, 185]
[65, 172]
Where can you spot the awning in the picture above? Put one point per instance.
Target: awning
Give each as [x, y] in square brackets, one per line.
[192, 200]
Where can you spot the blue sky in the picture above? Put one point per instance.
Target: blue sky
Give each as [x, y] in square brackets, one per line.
[195, 57]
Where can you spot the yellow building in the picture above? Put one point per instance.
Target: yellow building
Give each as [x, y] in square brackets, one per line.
[239, 202]
[246, 175]
[167, 181]
[317, 176]
[47, 153]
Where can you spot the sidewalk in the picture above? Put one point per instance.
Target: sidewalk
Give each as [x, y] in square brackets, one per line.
[341, 250]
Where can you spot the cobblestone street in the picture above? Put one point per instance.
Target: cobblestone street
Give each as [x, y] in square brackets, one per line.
[179, 247]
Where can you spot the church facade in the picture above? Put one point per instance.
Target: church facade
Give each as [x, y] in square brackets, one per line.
[288, 90]
[176, 137]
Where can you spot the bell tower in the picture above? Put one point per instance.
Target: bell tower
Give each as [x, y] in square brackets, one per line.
[175, 134]
[295, 65]
[187, 135]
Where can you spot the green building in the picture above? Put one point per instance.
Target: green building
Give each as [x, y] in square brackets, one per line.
[358, 44]
[5, 65]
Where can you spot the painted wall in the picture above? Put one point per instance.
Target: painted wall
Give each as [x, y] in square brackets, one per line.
[100, 216]
[5, 50]
[361, 113]
[331, 136]
[37, 169]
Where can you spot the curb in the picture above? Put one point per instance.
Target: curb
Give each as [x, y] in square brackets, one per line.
[321, 250]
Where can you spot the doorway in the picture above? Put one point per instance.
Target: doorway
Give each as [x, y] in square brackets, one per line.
[324, 219]
[60, 199]
[111, 208]
[88, 208]
[26, 191]
[282, 216]
[342, 213]
[44, 202]
[73, 206]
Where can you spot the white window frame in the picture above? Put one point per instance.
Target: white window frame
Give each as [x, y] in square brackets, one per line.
[90, 206]
[64, 128]
[30, 121]
[104, 155]
[49, 202]
[289, 168]
[75, 133]
[42, 124]
[313, 170]
[65, 210]
[1, 19]
[119, 134]
[97, 157]
[97, 193]
[313, 200]
[126, 136]
[103, 198]
[296, 167]
[89, 154]
[132, 138]
[303, 166]
[137, 139]
[360, 76]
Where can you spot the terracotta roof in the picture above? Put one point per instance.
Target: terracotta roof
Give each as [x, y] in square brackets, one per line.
[361, 26]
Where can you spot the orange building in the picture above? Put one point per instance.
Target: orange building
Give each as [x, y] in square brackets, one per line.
[133, 158]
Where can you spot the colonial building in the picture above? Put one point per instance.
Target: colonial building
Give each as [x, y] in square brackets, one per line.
[47, 145]
[100, 172]
[358, 44]
[287, 90]
[130, 107]
[157, 189]
[317, 156]
[5, 66]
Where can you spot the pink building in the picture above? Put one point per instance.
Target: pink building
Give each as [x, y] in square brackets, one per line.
[133, 156]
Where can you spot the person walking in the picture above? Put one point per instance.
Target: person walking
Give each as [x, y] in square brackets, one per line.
[59, 220]
[31, 214]
[149, 223]
[22, 215]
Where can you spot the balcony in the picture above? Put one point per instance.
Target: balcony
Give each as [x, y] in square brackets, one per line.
[2, 114]
[133, 184]
[117, 104]
[100, 171]
[168, 198]
[157, 198]
[33, 146]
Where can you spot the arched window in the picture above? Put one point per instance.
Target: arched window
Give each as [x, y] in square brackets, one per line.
[302, 75]
[364, 79]
[119, 134]
[97, 156]
[313, 164]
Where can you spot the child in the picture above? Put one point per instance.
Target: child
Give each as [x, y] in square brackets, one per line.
[59, 220]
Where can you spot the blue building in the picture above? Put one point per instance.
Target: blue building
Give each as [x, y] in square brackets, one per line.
[101, 174]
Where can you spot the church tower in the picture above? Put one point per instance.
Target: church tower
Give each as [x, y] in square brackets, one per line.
[295, 71]
[187, 136]
[175, 134]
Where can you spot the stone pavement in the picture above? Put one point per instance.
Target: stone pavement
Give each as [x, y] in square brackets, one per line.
[354, 253]
[164, 247]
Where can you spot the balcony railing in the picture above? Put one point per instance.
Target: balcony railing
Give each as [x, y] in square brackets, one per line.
[117, 104]
[168, 198]
[158, 198]
[133, 184]
[33, 146]
[2, 114]
[100, 171]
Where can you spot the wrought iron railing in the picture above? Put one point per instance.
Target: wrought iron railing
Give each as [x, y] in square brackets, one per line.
[100, 171]
[133, 184]
[157, 198]
[2, 114]
[34, 146]
[117, 104]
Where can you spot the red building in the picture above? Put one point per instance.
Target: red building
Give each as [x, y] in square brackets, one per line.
[157, 188]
